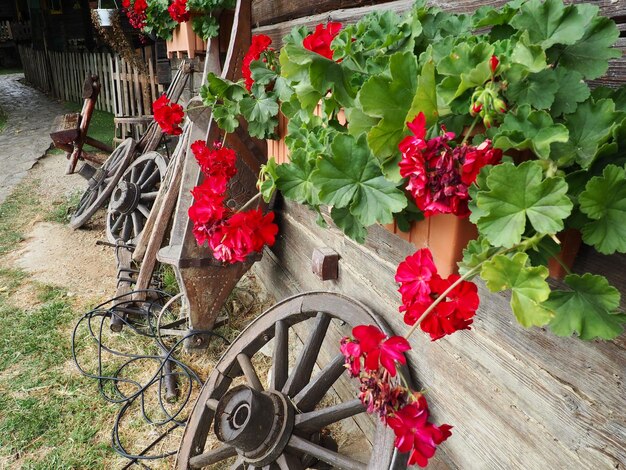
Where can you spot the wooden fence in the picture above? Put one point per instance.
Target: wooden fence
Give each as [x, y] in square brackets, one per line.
[5, 31]
[126, 91]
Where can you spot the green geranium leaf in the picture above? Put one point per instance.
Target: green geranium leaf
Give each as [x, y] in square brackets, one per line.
[475, 253]
[591, 54]
[466, 67]
[531, 56]
[604, 201]
[571, 91]
[425, 100]
[260, 73]
[294, 178]
[589, 127]
[389, 98]
[223, 89]
[529, 129]
[359, 122]
[267, 179]
[550, 22]
[261, 114]
[517, 193]
[226, 115]
[351, 178]
[589, 309]
[528, 285]
[535, 89]
[349, 224]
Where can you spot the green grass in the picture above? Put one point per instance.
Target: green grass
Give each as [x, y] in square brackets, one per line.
[48, 415]
[10, 71]
[3, 119]
[63, 210]
[16, 212]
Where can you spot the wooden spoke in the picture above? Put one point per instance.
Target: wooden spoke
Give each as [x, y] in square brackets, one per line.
[126, 228]
[101, 189]
[151, 196]
[151, 181]
[249, 372]
[144, 210]
[213, 456]
[295, 420]
[280, 359]
[117, 224]
[311, 395]
[319, 419]
[326, 455]
[137, 224]
[145, 172]
[133, 174]
[304, 365]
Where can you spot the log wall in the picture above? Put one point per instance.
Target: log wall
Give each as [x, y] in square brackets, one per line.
[518, 398]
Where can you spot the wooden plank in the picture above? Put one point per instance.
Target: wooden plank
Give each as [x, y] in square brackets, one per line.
[536, 400]
[266, 12]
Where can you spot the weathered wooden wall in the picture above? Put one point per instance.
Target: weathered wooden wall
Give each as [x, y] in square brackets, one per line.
[518, 398]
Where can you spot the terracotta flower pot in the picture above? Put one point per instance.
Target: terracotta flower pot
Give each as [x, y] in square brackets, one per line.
[185, 43]
[446, 235]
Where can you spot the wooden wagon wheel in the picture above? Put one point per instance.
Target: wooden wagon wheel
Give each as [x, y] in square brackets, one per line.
[133, 197]
[101, 182]
[279, 428]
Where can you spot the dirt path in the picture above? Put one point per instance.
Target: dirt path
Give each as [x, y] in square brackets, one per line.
[54, 253]
[26, 136]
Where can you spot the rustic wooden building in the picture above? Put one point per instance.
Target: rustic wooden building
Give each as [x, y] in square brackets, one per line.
[519, 398]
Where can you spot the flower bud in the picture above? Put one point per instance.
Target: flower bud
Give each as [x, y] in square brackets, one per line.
[493, 63]
[499, 105]
[475, 108]
[488, 120]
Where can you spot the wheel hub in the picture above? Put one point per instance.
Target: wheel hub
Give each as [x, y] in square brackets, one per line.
[257, 424]
[125, 197]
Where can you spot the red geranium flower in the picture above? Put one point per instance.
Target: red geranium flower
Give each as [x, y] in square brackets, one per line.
[178, 11]
[477, 157]
[320, 40]
[439, 175]
[455, 312]
[216, 162]
[234, 239]
[378, 352]
[168, 115]
[414, 275]
[415, 434]
[260, 43]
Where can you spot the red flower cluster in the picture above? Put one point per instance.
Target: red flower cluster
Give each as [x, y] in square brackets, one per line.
[368, 344]
[439, 176]
[260, 43]
[178, 11]
[404, 411]
[319, 41]
[168, 115]
[136, 12]
[420, 286]
[231, 236]
[415, 434]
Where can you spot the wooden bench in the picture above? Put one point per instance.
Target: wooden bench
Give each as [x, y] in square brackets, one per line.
[69, 131]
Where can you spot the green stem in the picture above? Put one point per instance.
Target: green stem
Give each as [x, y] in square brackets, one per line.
[249, 203]
[470, 130]
[465, 276]
[442, 297]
